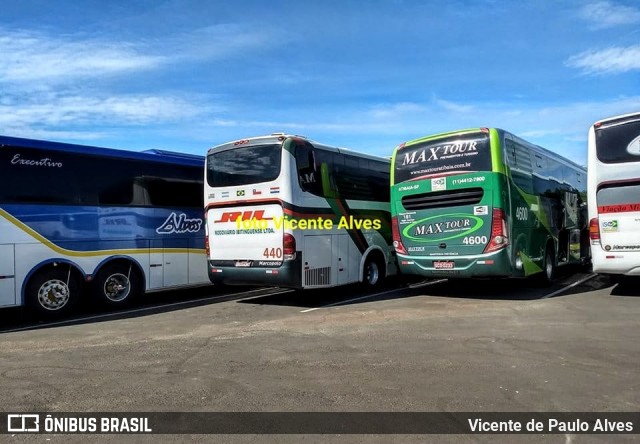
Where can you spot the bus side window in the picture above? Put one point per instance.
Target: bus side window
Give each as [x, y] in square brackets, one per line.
[541, 185]
[520, 164]
[307, 168]
[510, 149]
[331, 165]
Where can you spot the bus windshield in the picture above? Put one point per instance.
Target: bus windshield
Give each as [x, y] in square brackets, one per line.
[618, 143]
[243, 166]
[457, 154]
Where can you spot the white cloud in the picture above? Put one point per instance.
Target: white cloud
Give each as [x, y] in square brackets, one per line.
[54, 110]
[453, 106]
[48, 82]
[221, 41]
[612, 60]
[39, 57]
[224, 122]
[604, 14]
[54, 134]
[30, 57]
[385, 111]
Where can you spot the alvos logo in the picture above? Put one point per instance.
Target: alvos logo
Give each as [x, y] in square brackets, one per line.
[442, 227]
[440, 151]
[179, 224]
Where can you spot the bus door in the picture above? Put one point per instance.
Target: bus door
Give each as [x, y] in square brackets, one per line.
[169, 255]
[7, 275]
[168, 263]
[176, 262]
[156, 262]
[572, 225]
[346, 260]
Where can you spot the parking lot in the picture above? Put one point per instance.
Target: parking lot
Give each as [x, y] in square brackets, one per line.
[486, 346]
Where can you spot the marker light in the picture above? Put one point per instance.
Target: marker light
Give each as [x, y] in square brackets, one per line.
[395, 234]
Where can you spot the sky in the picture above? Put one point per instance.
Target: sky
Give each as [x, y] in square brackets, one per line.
[366, 75]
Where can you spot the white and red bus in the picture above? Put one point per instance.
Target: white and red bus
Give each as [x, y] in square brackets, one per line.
[282, 210]
[614, 194]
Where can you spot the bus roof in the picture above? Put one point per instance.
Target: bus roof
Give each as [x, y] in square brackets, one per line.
[275, 138]
[488, 130]
[153, 155]
[616, 119]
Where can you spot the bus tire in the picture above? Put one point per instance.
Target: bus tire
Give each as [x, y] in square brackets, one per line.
[548, 274]
[116, 284]
[373, 272]
[52, 292]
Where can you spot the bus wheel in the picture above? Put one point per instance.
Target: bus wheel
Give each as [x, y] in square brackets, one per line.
[52, 292]
[372, 272]
[549, 268]
[116, 284]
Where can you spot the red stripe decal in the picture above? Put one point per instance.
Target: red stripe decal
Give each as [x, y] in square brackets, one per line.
[621, 208]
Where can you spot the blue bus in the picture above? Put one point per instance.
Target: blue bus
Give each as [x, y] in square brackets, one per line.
[87, 222]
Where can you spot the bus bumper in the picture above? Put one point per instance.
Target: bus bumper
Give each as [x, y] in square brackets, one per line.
[288, 275]
[622, 264]
[496, 264]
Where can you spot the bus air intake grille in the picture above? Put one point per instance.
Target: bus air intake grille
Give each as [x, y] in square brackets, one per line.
[317, 276]
[443, 199]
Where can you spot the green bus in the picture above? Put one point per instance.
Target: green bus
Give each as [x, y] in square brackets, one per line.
[483, 202]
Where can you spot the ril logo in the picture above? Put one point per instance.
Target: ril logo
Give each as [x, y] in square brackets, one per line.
[232, 216]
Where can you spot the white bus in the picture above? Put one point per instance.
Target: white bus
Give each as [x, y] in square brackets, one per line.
[109, 224]
[285, 211]
[614, 195]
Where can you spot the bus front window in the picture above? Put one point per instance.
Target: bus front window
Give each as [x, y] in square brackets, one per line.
[244, 166]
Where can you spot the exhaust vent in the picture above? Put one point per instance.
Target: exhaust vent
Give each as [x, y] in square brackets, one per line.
[443, 199]
[317, 276]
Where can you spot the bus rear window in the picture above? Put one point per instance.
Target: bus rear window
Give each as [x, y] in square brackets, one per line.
[457, 154]
[243, 166]
[622, 194]
[619, 143]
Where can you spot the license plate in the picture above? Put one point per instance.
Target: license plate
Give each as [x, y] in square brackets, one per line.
[243, 263]
[443, 265]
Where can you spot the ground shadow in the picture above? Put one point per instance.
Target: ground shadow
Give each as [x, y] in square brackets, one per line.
[397, 288]
[19, 319]
[626, 286]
